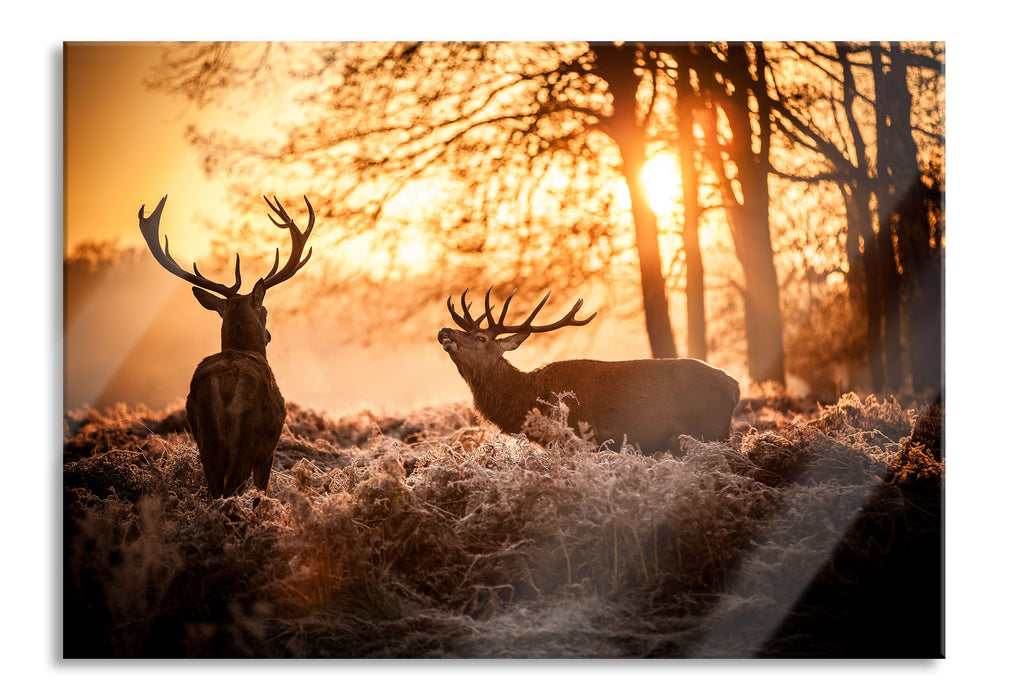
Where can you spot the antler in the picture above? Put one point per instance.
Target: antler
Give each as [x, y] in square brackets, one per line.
[149, 228]
[298, 239]
[466, 321]
[498, 327]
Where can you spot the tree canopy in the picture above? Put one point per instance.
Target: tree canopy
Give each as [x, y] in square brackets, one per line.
[523, 164]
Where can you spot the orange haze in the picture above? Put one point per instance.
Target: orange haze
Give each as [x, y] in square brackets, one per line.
[137, 337]
[124, 146]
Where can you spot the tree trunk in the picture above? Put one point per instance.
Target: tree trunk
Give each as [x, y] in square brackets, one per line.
[863, 266]
[749, 218]
[653, 282]
[924, 303]
[697, 344]
[888, 169]
[863, 277]
[761, 306]
[919, 251]
[616, 64]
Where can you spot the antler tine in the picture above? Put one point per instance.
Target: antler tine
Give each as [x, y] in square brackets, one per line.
[298, 239]
[493, 325]
[504, 309]
[459, 320]
[488, 307]
[543, 301]
[527, 326]
[466, 321]
[233, 289]
[149, 229]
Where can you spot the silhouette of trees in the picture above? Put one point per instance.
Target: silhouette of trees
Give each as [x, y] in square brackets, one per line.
[733, 77]
[506, 156]
[617, 65]
[885, 155]
[525, 139]
[688, 100]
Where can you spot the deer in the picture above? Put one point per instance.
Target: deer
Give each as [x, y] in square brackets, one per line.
[235, 409]
[647, 403]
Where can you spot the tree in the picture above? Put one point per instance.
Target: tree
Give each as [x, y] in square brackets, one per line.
[687, 100]
[523, 137]
[910, 214]
[616, 64]
[505, 155]
[891, 188]
[735, 75]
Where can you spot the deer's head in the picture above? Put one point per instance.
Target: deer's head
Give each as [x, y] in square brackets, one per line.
[243, 316]
[476, 349]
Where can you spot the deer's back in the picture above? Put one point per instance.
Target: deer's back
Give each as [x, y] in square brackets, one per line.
[236, 414]
[648, 401]
[238, 375]
[238, 386]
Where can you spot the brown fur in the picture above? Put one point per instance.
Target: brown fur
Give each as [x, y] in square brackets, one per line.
[234, 407]
[650, 403]
[236, 413]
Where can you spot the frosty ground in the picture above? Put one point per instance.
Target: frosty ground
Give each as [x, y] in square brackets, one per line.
[814, 532]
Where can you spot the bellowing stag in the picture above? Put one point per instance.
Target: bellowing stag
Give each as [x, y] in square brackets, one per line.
[648, 403]
[235, 410]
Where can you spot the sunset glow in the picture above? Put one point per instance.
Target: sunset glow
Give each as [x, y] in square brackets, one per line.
[662, 182]
[536, 385]
[405, 204]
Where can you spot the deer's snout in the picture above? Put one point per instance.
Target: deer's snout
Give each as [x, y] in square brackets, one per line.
[446, 336]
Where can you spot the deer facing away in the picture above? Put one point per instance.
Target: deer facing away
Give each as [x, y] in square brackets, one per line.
[235, 409]
[650, 403]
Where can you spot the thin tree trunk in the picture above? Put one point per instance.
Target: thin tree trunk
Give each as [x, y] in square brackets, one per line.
[863, 264]
[888, 159]
[697, 344]
[653, 282]
[764, 333]
[863, 277]
[616, 64]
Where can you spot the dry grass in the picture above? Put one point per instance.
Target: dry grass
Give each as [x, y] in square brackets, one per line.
[813, 532]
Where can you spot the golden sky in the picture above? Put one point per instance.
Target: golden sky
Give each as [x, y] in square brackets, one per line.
[139, 336]
[124, 146]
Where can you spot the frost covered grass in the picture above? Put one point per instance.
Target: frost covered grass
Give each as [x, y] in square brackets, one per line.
[812, 532]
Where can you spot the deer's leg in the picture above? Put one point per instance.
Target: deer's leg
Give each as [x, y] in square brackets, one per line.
[673, 445]
[237, 473]
[261, 472]
[215, 477]
[269, 426]
[673, 441]
[212, 458]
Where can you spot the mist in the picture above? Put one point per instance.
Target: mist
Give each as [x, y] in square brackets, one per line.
[134, 335]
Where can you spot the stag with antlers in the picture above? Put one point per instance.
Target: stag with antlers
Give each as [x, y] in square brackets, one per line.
[235, 409]
[646, 403]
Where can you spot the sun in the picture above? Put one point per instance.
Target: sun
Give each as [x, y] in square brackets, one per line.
[662, 182]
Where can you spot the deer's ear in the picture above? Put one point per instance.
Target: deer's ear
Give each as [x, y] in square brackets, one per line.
[513, 341]
[209, 301]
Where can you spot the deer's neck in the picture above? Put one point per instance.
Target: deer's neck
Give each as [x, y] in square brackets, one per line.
[502, 394]
[243, 334]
